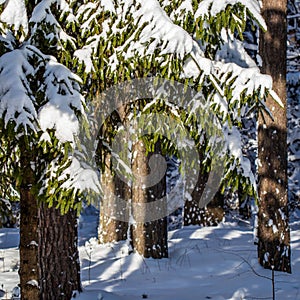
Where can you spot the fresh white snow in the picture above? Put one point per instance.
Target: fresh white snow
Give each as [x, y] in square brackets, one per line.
[15, 14]
[205, 263]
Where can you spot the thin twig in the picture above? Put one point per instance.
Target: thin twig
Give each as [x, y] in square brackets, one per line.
[244, 260]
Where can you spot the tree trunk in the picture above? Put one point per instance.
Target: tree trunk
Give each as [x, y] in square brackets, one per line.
[149, 238]
[213, 213]
[112, 227]
[273, 228]
[193, 214]
[29, 240]
[58, 254]
[113, 220]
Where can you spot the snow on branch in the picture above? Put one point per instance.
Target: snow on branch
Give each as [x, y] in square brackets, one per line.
[90, 11]
[241, 162]
[60, 88]
[90, 15]
[161, 29]
[180, 13]
[214, 7]
[79, 177]
[234, 69]
[15, 15]
[6, 39]
[146, 28]
[16, 99]
[42, 14]
[69, 175]
[160, 33]
[65, 103]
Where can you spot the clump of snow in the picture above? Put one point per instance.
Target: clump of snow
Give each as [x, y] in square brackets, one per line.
[16, 103]
[61, 89]
[108, 5]
[64, 100]
[84, 56]
[42, 13]
[15, 14]
[80, 177]
[184, 8]
[214, 7]
[234, 144]
[160, 28]
[63, 106]
[33, 282]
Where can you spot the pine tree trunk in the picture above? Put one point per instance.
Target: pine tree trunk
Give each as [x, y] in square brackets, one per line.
[29, 275]
[29, 241]
[212, 214]
[113, 220]
[58, 254]
[149, 238]
[193, 214]
[111, 227]
[273, 228]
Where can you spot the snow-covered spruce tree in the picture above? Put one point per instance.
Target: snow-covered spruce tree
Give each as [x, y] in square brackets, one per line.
[90, 17]
[40, 111]
[273, 226]
[196, 43]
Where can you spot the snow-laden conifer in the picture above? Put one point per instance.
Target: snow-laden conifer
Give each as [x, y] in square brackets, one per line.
[200, 43]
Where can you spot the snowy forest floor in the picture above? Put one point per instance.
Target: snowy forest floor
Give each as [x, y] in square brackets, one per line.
[204, 263]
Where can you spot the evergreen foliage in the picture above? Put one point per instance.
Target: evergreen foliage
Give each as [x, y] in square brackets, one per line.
[198, 44]
[40, 99]
[108, 42]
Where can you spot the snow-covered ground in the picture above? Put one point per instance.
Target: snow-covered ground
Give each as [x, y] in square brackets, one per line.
[205, 263]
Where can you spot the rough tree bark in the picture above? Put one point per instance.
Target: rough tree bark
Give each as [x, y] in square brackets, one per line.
[58, 254]
[113, 222]
[111, 229]
[149, 238]
[213, 213]
[29, 239]
[273, 229]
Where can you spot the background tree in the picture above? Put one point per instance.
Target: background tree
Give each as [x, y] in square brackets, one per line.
[274, 250]
[193, 43]
[111, 229]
